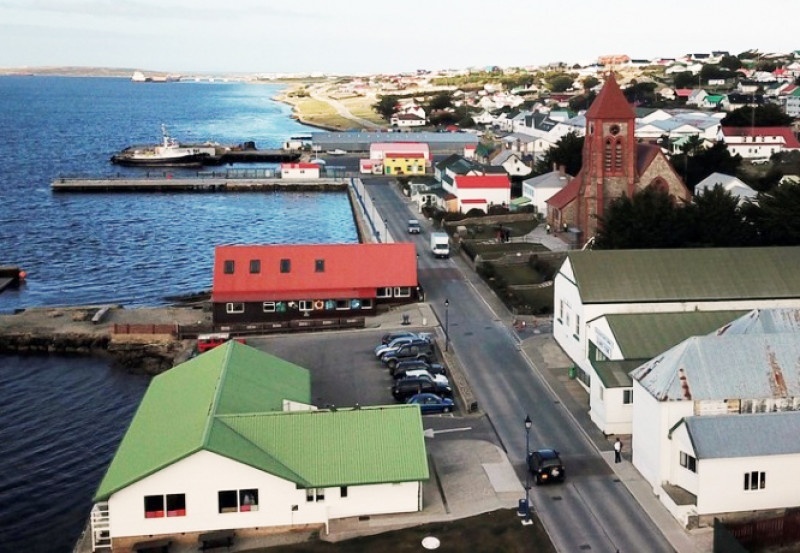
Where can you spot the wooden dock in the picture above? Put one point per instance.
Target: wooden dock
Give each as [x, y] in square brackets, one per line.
[195, 184]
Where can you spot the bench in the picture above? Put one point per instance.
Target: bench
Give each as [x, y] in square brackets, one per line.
[213, 540]
[152, 546]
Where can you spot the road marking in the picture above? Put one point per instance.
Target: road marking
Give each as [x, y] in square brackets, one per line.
[430, 432]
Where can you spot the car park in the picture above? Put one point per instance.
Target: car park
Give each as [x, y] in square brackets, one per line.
[431, 403]
[388, 337]
[408, 387]
[411, 364]
[395, 344]
[418, 349]
[421, 372]
[546, 466]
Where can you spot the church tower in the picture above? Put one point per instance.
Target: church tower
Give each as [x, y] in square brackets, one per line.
[609, 156]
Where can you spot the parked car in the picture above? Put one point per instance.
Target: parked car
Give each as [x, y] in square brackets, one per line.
[545, 466]
[422, 372]
[414, 226]
[431, 403]
[421, 350]
[386, 338]
[397, 342]
[413, 364]
[408, 387]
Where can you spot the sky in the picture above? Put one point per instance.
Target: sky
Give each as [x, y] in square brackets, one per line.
[368, 37]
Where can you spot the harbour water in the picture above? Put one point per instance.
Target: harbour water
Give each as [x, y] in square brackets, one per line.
[62, 418]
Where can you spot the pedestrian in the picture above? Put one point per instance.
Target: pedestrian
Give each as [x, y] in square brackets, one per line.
[618, 451]
[548, 228]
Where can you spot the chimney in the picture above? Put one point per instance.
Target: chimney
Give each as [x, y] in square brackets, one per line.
[562, 170]
[555, 166]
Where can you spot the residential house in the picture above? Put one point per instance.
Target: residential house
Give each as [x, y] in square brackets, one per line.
[696, 97]
[229, 440]
[735, 101]
[396, 158]
[407, 120]
[735, 187]
[791, 103]
[304, 282]
[715, 419]
[299, 171]
[512, 162]
[758, 142]
[541, 188]
[592, 284]
[409, 163]
[479, 191]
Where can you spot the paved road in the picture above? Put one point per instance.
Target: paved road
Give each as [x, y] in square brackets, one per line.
[593, 510]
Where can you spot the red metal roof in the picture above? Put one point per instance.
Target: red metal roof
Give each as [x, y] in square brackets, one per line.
[474, 201]
[350, 271]
[482, 181]
[299, 166]
[784, 132]
[610, 103]
[566, 195]
[409, 155]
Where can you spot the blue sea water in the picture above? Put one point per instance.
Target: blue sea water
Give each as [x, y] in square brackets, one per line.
[61, 419]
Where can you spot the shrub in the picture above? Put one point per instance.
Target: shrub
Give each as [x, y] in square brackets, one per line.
[475, 212]
[498, 209]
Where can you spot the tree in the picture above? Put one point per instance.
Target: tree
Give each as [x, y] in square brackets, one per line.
[648, 219]
[696, 164]
[560, 83]
[641, 93]
[567, 152]
[582, 101]
[590, 82]
[768, 115]
[386, 106]
[731, 63]
[774, 217]
[714, 220]
[441, 100]
[684, 79]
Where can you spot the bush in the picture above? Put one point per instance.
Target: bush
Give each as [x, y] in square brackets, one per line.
[475, 212]
[496, 209]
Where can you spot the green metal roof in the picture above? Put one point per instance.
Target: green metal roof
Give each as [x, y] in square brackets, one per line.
[642, 336]
[616, 374]
[702, 274]
[230, 400]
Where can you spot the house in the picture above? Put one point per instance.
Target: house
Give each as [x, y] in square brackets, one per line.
[512, 162]
[407, 120]
[299, 171]
[792, 103]
[480, 191]
[592, 284]
[541, 188]
[758, 142]
[229, 440]
[729, 183]
[614, 164]
[409, 163]
[284, 283]
[715, 419]
[391, 157]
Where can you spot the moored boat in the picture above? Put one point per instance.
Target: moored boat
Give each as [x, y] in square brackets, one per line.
[169, 153]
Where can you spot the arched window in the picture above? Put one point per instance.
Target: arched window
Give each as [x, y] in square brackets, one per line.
[659, 184]
[607, 157]
[618, 155]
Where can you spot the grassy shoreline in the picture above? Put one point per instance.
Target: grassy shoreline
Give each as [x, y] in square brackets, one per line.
[313, 112]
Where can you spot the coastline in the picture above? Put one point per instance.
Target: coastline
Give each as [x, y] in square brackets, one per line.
[317, 110]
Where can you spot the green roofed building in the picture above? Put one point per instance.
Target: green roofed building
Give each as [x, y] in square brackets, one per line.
[229, 440]
[615, 309]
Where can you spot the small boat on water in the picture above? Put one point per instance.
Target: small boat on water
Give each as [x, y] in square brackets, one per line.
[169, 153]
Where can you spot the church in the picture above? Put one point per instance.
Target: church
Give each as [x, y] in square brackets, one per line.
[614, 164]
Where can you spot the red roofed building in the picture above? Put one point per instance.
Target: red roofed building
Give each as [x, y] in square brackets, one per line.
[614, 164]
[479, 191]
[399, 158]
[411, 163]
[299, 171]
[758, 142]
[267, 283]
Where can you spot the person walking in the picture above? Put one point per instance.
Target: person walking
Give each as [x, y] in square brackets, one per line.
[618, 451]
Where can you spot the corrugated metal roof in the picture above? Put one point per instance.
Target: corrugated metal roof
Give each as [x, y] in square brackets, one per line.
[615, 374]
[645, 335]
[702, 274]
[726, 436]
[725, 367]
[229, 401]
[765, 321]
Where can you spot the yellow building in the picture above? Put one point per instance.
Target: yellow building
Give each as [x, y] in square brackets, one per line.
[404, 163]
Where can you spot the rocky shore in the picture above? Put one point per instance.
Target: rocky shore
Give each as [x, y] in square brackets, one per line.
[141, 339]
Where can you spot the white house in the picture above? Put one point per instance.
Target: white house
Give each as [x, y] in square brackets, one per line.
[407, 120]
[229, 440]
[715, 419]
[758, 142]
[479, 191]
[541, 188]
[299, 171]
[729, 183]
[594, 283]
[512, 163]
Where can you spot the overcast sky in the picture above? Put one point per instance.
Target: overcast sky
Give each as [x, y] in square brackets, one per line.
[378, 36]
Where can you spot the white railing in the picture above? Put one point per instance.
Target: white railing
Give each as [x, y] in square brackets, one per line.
[100, 524]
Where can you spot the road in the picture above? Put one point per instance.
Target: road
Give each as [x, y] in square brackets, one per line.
[317, 94]
[592, 510]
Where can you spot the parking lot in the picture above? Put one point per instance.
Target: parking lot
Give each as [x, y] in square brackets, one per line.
[344, 369]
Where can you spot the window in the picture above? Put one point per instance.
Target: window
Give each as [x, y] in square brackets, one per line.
[268, 307]
[688, 462]
[255, 266]
[618, 155]
[175, 505]
[235, 307]
[342, 304]
[305, 305]
[755, 480]
[315, 494]
[343, 491]
[607, 157]
[384, 293]
[319, 266]
[627, 397]
[235, 501]
[577, 334]
[228, 266]
[366, 304]
[286, 265]
[402, 292]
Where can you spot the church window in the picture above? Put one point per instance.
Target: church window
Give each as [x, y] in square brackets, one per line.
[618, 155]
[607, 158]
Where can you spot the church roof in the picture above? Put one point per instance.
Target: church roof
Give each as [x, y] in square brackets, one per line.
[610, 103]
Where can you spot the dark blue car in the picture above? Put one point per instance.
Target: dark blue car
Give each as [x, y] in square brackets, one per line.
[431, 403]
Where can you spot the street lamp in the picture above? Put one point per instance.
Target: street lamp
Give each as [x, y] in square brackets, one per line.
[528, 423]
[446, 325]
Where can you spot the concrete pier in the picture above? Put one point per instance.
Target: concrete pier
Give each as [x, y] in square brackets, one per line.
[195, 184]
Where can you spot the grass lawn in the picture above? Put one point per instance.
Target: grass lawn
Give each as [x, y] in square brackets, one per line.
[320, 113]
[495, 532]
[360, 106]
[494, 250]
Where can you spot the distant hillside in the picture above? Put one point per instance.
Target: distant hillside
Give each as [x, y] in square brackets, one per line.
[70, 71]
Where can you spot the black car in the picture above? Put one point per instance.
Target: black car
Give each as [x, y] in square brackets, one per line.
[409, 387]
[402, 367]
[545, 466]
[421, 350]
[386, 338]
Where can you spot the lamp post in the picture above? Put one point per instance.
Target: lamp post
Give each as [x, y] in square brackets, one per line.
[528, 423]
[446, 325]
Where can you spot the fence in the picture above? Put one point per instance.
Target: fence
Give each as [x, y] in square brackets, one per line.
[144, 329]
[191, 331]
[758, 534]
